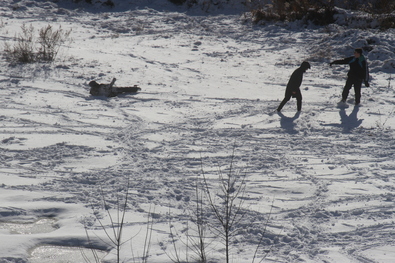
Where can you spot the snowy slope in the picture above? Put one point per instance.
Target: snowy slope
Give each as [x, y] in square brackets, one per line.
[321, 181]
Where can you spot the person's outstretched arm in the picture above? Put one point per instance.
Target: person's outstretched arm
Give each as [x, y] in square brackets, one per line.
[341, 61]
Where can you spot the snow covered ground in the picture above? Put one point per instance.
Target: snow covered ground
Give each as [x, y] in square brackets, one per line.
[322, 181]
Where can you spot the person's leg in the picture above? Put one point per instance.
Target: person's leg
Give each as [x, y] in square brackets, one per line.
[346, 89]
[357, 89]
[285, 100]
[299, 100]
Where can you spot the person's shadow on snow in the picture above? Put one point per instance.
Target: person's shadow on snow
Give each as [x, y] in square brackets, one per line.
[287, 123]
[351, 121]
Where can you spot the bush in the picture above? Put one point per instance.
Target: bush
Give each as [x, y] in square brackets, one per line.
[50, 42]
[178, 2]
[322, 16]
[28, 49]
[369, 6]
[108, 3]
[87, 1]
[23, 49]
[318, 12]
[387, 22]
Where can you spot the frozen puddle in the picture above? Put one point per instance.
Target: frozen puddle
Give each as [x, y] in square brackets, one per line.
[51, 254]
[44, 225]
[58, 254]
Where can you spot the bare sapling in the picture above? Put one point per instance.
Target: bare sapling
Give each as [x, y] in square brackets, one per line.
[148, 235]
[199, 244]
[175, 255]
[258, 247]
[194, 239]
[50, 41]
[227, 203]
[115, 231]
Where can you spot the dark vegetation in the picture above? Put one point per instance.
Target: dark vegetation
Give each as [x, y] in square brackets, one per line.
[318, 12]
[322, 12]
[28, 47]
[108, 3]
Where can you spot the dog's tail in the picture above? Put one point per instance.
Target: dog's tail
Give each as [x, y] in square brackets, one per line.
[133, 89]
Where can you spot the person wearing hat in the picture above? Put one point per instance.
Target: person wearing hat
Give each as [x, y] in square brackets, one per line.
[357, 74]
[293, 86]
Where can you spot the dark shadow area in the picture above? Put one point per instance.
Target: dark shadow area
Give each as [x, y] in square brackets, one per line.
[287, 123]
[348, 122]
[351, 121]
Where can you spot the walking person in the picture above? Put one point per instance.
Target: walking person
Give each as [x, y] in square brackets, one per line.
[293, 87]
[357, 74]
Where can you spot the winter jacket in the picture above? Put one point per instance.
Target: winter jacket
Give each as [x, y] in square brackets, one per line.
[295, 81]
[358, 67]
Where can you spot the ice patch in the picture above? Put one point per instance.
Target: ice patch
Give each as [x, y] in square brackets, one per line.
[44, 225]
[50, 254]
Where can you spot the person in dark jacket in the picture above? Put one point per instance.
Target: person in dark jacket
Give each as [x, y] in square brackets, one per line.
[357, 74]
[293, 86]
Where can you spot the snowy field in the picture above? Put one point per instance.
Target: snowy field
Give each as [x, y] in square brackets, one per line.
[319, 185]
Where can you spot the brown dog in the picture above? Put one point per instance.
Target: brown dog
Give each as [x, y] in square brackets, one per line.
[108, 90]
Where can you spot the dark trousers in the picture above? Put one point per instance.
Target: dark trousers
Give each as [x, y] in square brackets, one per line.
[357, 89]
[288, 96]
